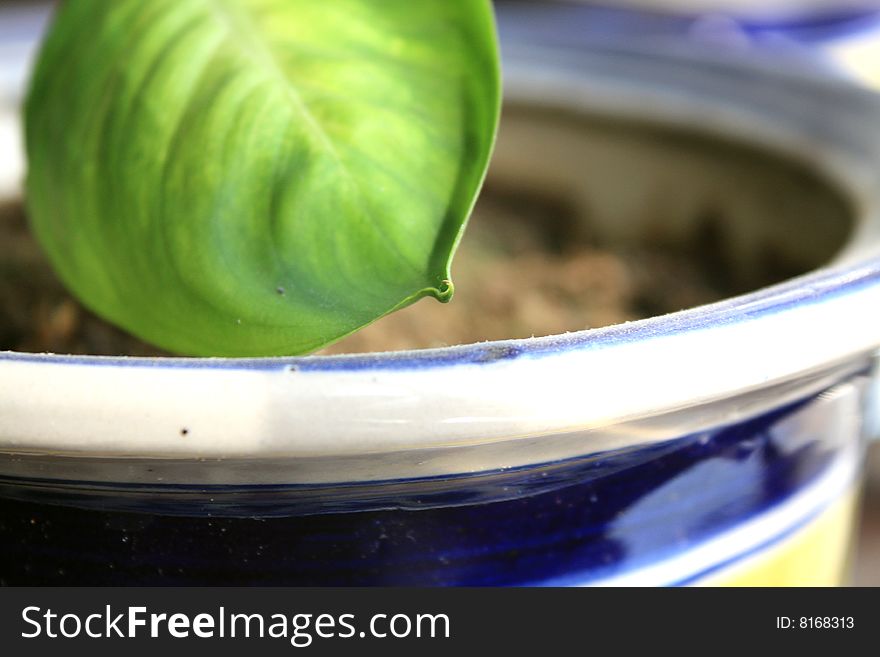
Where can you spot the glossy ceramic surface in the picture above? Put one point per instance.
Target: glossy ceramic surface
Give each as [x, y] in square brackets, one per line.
[673, 513]
[695, 447]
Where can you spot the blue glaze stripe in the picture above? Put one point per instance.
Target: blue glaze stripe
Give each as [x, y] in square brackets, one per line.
[806, 291]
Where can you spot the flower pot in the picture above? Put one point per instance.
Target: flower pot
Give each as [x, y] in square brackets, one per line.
[720, 444]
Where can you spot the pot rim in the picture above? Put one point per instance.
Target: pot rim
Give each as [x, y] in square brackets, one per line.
[369, 406]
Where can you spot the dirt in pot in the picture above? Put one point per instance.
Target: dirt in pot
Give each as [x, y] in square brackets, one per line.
[37, 314]
[585, 221]
[523, 269]
[526, 267]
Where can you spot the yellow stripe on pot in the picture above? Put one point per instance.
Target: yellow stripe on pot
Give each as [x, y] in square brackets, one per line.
[816, 555]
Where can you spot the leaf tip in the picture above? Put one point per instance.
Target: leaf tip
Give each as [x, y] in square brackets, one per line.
[444, 292]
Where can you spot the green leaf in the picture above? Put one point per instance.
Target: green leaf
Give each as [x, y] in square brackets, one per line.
[258, 177]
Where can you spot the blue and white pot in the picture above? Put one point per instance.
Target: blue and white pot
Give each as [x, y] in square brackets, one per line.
[721, 444]
[840, 37]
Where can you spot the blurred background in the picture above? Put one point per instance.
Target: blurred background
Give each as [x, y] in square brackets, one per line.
[839, 38]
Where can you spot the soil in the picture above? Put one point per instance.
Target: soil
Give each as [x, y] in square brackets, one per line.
[522, 270]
